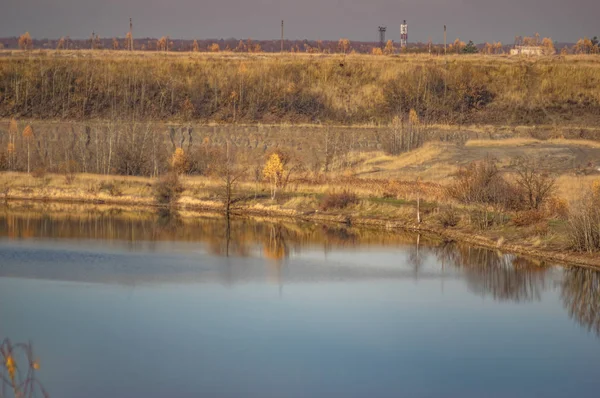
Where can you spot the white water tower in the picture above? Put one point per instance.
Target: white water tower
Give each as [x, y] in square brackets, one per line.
[403, 34]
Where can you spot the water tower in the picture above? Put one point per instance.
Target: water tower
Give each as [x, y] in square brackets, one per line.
[403, 34]
[382, 30]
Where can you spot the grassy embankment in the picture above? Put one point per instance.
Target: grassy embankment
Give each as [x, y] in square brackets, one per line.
[383, 200]
[331, 89]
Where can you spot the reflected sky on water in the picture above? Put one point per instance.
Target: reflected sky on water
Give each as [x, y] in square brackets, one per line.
[123, 305]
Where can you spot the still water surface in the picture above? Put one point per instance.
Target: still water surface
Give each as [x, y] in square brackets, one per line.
[122, 305]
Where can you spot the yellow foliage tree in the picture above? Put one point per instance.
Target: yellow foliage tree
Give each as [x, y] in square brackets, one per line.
[548, 46]
[344, 45]
[25, 41]
[129, 41]
[273, 172]
[584, 46]
[195, 47]
[376, 51]
[161, 44]
[389, 48]
[214, 48]
[28, 135]
[61, 44]
[458, 46]
[179, 161]
[115, 43]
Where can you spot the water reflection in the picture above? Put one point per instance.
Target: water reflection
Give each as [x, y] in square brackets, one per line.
[581, 297]
[504, 277]
[487, 273]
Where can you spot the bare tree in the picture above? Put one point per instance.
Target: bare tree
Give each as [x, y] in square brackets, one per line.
[229, 173]
[537, 184]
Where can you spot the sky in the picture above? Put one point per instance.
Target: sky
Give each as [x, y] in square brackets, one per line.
[477, 20]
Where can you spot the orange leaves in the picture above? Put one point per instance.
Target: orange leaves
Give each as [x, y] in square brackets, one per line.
[9, 363]
[179, 161]
[389, 48]
[25, 41]
[344, 45]
[28, 132]
[273, 172]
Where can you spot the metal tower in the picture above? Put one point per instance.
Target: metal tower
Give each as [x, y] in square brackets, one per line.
[382, 30]
[403, 34]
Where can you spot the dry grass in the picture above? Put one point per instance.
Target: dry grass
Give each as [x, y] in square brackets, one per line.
[299, 88]
[570, 187]
[522, 141]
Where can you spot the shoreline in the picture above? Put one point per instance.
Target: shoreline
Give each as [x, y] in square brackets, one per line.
[560, 257]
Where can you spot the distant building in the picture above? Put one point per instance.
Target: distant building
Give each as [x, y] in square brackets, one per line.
[527, 50]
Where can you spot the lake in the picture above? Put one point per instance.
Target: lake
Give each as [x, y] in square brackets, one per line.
[131, 304]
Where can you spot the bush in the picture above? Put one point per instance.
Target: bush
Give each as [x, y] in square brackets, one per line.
[38, 172]
[558, 208]
[482, 183]
[584, 223]
[528, 217]
[112, 188]
[168, 189]
[449, 218]
[536, 184]
[339, 200]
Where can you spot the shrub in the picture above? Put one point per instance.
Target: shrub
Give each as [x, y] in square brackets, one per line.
[168, 189]
[38, 172]
[70, 178]
[112, 188]
[449, 218]
[584, 223]
[558, 207]
[481, 183]
[339, 200]
[528, 217]
[536, 184]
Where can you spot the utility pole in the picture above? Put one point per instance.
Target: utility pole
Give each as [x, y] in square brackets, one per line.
[444, 39]
[282, 35]
[130, 34]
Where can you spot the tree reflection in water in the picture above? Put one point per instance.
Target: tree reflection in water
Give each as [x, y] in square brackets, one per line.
[581, 297]
[505, 277]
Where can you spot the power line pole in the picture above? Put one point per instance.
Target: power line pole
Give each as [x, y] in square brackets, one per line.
[444, 39]
[282, 35]
[130, 34]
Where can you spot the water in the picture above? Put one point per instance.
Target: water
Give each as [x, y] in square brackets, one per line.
[121, 304]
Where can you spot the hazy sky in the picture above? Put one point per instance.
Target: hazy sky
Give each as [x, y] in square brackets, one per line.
[478, 20]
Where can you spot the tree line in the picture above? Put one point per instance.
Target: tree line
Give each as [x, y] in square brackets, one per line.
[298, 90]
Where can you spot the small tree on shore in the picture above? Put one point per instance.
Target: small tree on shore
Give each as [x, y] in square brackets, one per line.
[273, 172]
[179, 161]
[28, 136]
[229, 173]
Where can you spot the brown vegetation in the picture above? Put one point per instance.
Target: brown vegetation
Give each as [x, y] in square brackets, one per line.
[356, 89]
